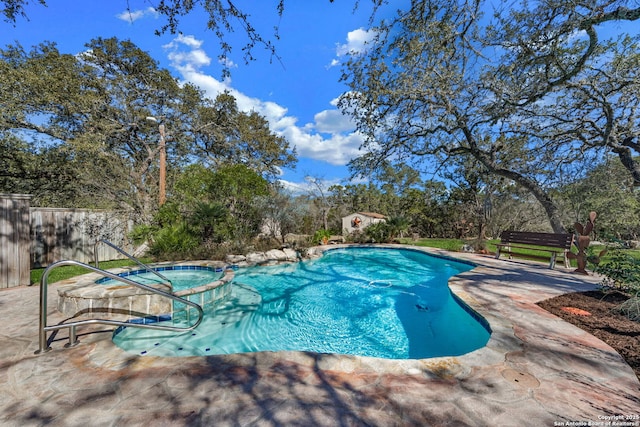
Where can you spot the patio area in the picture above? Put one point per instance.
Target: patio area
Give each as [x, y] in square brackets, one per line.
[535, 370]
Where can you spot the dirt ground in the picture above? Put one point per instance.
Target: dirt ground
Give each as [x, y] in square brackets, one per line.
[592, 311]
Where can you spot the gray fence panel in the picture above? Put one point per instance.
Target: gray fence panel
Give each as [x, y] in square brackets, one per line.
[14, 240]
[37, 237]
[59, 234]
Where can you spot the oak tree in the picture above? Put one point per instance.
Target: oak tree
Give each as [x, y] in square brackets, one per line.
[448, 79]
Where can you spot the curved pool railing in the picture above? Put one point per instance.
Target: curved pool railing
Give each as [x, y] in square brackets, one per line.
[44, 328]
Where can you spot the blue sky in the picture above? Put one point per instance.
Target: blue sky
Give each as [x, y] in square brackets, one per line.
[296, 93]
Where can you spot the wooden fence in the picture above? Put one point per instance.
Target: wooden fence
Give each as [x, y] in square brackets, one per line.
[37, 237]
[71, 234]
[14, 240]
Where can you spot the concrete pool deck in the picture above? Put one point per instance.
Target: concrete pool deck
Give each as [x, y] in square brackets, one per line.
[536, 370]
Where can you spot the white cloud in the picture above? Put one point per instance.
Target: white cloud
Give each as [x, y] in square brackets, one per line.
[189, 41]
[188, 58]
[356, 43]
[133, 15]
[337, 150]
[306, 186]
[227, 63]
[334, 62]
[210, 85]
[295, 188]
[333, 121]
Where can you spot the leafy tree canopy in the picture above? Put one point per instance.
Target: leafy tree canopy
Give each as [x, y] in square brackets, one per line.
[101, 112]
[447, 79]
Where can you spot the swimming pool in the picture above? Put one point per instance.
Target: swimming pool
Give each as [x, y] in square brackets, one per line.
[181, 276]
[379, 302]
[206, 283]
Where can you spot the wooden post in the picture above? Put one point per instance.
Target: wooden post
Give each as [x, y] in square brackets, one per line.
[162, 197]
[15, 240]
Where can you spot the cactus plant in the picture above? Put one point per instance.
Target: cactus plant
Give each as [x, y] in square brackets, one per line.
[582, 241]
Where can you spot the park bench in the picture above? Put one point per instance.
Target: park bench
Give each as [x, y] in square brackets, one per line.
[550, 243]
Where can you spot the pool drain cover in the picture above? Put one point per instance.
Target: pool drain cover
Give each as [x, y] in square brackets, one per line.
[521, 379]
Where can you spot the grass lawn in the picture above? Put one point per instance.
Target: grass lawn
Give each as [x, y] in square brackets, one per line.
[455, 245]
[68, 271]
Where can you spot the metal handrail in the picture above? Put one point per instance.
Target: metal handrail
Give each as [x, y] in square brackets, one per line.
[131, 257]
[43, 328]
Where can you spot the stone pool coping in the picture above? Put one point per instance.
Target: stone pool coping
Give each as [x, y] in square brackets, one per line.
[536, 370]
[86, 286]
[123, 301]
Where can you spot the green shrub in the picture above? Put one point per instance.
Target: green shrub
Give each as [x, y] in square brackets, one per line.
[321, 234]
[142, 233]
[621, 271]
[174, 241]
[357, 236]
[213, 222]
[169, 213]
[379, 232]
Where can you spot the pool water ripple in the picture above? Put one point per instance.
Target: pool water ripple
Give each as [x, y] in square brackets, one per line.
[387, 303]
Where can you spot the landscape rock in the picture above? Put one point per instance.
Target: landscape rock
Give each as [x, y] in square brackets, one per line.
[315, 252]
[256, 258]
[235, 259]
[276, 255]
[290, 254]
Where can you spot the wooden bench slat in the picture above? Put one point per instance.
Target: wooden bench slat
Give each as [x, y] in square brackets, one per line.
[544, 241]
[557, 251]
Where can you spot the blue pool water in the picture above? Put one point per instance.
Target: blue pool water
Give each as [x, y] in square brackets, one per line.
[387, 303]
[181, 277]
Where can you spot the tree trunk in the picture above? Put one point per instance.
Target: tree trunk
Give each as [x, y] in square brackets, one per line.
[626, 157]
[553, 213]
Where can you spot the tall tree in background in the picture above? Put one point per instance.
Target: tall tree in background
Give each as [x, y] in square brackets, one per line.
[93, 107]
[48, 173]
[320, 197]
[395, 181]
[597, 111]
[224, 135]
[87, 117]
[606, 188]
[44, 97]
[133, 89]
[282, 213]
[434, 85]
